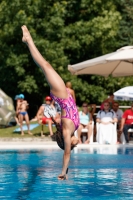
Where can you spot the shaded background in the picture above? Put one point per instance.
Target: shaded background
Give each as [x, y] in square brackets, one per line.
[66, 32]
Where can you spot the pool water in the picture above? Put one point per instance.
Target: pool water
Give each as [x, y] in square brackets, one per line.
[95, 173]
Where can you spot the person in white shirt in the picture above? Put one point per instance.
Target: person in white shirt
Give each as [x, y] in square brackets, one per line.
[44, 114]
[106, 133]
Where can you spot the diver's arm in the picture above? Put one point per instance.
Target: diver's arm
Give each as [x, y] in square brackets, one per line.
[66, 156]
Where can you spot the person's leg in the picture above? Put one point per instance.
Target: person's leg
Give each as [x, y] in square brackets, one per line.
[17, 120]
[79, 133]
[57, 85]
[129, 133]
[28, 123]
[42, 131]
[89, 127]
[49, 122]
[125, 130]
[21, 123]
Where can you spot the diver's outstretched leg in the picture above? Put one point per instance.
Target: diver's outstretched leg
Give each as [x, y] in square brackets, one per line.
[55, 82]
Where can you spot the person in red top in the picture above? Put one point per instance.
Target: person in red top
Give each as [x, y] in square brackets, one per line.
[127, 122]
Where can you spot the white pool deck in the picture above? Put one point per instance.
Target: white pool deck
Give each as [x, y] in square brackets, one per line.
[46, 143]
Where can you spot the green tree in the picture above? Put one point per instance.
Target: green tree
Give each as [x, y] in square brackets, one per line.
[124, 37]
[125, 31]
[65, 32]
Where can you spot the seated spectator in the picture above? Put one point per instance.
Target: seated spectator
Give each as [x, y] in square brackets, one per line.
[119, 114]
[127, 122]
[110, 100]
[85, 119]
[45, 112]
[106, 133]
[71, 91]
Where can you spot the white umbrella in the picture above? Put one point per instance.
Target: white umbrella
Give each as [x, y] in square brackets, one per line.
[125, 93]
[119, 63]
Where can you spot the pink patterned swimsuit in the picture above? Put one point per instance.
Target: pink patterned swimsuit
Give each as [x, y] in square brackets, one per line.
[70, 108]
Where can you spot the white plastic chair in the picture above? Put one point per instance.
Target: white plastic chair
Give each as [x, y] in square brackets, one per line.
[122, 138]
[85, 130]
[100, 137]
[130, 130]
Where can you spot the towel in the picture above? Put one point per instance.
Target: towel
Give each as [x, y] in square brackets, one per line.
[32, 126]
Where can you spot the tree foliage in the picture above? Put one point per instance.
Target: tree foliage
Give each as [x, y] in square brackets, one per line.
[125, 33]
[65, 32]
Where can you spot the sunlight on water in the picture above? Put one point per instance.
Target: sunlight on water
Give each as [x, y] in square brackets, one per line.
[96, 173]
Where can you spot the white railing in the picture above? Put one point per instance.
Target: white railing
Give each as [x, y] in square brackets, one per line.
[119, 106]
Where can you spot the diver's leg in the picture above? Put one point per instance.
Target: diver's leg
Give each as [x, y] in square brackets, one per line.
[56, 83]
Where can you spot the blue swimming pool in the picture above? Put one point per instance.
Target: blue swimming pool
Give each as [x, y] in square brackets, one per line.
[95, 173]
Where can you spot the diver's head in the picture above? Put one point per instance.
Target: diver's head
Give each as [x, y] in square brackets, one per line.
[74, 141]
[68, 85]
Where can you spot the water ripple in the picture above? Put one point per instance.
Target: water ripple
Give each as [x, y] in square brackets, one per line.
[33, 175]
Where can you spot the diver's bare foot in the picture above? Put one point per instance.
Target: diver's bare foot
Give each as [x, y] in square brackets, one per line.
[22, 133]
[30, 133]
[26, 35]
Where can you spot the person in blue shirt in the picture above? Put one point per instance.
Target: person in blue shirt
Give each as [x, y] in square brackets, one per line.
[85, 119]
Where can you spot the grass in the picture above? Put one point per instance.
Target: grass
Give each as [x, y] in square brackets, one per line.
[8, 132]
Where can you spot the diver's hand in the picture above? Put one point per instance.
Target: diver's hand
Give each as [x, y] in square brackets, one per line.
[62, 177]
